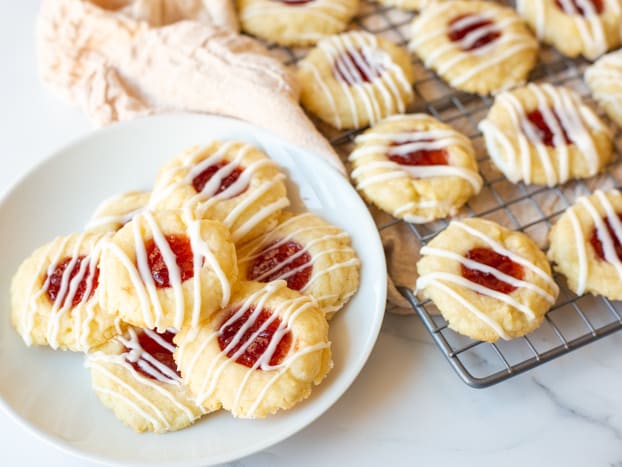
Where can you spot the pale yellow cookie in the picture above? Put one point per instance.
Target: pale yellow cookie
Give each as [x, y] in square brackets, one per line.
[415, 168]
[312, 256]
[262, 353]
[231, 182]
[487, 281]
[575, 27]
[295, 22]
[475, 46]
[353, 79]
[160, 271]
[414, 5]
[585, 245]
[545, 135]
[135, 376]
[113, 213]
[55, 295]
[604, 79]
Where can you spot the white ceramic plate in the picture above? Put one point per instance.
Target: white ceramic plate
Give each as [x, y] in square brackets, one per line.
[50, 392]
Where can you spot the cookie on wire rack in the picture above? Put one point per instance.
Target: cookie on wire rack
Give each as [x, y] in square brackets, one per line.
[487, 281]
[604, 78]
[415, 168]
[475, 46]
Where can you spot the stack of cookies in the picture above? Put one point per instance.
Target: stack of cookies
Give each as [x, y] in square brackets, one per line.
[205, 293]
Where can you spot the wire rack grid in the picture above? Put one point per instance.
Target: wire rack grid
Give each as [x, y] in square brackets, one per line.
[573, 321]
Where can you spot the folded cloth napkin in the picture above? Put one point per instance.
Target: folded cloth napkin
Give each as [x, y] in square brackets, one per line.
[119, 59]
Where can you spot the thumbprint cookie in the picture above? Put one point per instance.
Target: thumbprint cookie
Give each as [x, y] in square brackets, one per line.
[415, 168]
[262, 353]
[231, 182]
[586, 245]
[475, 46]
[113, 213]
[604, 78]
[488, 282]
[55, 295]
[160, 271]
[295, 22]
[575, 27]
[136, 376]
[545, 135]
[353, 79]
[312, 256]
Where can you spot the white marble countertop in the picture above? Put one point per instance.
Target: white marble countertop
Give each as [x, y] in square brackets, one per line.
[407, 406]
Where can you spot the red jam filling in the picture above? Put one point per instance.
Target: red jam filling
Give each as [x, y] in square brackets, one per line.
[256, 349]
[459, 32]
[543, 130]
[295, 2]
[181, 248]
[56, 278]
[577, 6]
[205, 176]
[420, 157]
[274, 259]
[153, 348]
[494, 260]
[356, 67]
[597, 244]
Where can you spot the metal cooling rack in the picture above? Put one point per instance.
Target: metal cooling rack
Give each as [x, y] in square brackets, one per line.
[573, 321]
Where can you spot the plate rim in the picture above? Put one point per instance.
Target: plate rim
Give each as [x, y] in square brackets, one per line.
[373, 236]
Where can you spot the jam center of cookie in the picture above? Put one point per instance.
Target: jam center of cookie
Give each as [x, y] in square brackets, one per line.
[543, 131]
[358, 66]
[182, 250]
[88, 282]
[288, 261]
[494, 260]
[598, 245]
[224, 181]
[150, 349]
[472, 31]
[581, 7]
[295, 2]
[417, 152]
[261, 349]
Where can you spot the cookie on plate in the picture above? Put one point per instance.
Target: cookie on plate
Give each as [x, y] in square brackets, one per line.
[113, 213]
[55, 295]
[487, 281]
[604, 78]
[575, 27]
[586, 245]
[312, 256]
[231, 182]
[262, 353]
[353, 79]
[415, 168]
[135, 376]
[161, 271]
[295, 22]
[475, 46]
[545, 135]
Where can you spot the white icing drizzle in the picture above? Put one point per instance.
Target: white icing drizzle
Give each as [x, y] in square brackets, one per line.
[581, 251]
[497, 51]
[590, 27]
[605, 237]
[196, 206]
[354, 51]
[142, 280]
[440, 279]
[605, 80]
[274, 239]
[63, 304]
[565, 116]
[288, 312]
